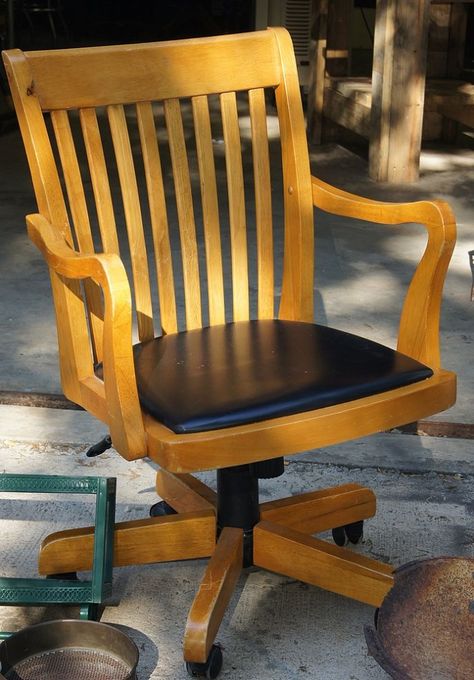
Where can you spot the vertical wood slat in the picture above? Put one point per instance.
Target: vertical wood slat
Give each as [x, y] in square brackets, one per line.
[210, 209]
[235, 188]
[159, 220]
[133, 220]
[100, 180]
[73, 180]
[263, 203]
[80, 218]
[184, 204]
[297, 299]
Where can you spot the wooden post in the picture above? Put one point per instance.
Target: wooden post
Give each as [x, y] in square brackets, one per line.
[317, 72]
[329, 55]
[338, 47]
[398, 89]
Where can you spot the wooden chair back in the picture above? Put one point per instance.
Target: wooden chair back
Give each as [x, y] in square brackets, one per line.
[147, 90]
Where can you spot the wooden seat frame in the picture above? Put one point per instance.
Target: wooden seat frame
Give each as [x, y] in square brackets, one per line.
[282, 531]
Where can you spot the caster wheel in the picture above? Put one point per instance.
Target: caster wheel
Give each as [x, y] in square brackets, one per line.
[339, 536]
[350, 532]
[355, 531]
[210, 669]
[161, 509]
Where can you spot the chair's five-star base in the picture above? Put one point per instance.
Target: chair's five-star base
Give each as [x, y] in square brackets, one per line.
[235, 530]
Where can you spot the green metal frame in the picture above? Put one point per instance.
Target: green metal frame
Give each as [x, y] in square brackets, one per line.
[88, 594]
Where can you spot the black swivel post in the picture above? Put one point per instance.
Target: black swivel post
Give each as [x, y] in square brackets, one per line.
[268, 469]
[237, 503]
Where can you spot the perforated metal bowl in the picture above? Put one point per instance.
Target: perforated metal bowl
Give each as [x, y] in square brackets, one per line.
[72, 649]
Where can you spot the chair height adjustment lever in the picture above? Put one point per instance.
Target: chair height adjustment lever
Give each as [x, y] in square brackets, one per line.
[100, 447]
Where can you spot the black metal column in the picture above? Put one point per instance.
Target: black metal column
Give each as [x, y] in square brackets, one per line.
[237, 503]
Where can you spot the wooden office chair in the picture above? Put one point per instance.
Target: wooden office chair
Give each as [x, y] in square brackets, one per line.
[217, 390]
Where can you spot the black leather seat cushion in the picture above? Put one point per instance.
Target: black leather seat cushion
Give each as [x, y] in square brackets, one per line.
[248, 371]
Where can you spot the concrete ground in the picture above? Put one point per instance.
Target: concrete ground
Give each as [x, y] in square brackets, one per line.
[275, 627]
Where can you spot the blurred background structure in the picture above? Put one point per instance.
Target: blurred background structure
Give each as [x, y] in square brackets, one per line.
[379, 76]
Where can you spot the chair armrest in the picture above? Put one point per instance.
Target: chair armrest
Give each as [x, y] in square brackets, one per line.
[67, 262]
[107, 270]
[419, 322]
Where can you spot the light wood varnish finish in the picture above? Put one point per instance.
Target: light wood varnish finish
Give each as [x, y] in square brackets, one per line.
[282, 543]
[212, 598]
[142, 88]
[314, 561]
[141, 541]
[184, 493]
[320, 510]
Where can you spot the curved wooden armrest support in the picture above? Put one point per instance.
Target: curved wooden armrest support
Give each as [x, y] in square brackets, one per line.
[69, 263]
[124, 416]
[419, 322]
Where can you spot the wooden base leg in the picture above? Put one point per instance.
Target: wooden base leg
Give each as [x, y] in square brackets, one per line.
[314, 561]
[143, 541]
[213, 596]
[184, 492]
[321, 510]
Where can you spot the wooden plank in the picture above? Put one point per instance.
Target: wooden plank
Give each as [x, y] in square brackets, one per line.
[299, 432]
[438, 41]
[347, 112]
[73, 180]
[317, 72]
[121, 74]
[210, 209]
[457, 39]
[184, 203]
[81, 223]
[398, 87]
[159, 218]
[141, 541]
[320, 510]
[263, 204]
[297, 299]
[100, 180]
[461, 114]
[321, 564]
[338, 37]
[213, 596]
[133, 221]
[184, 493]
[235, 189]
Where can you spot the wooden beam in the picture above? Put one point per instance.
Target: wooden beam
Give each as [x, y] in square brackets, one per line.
[321, 564]
[338, 40]
[317, 72]
[139, 541]
[213, 596]
[398, 88]
[320, 510]
[347, 112]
